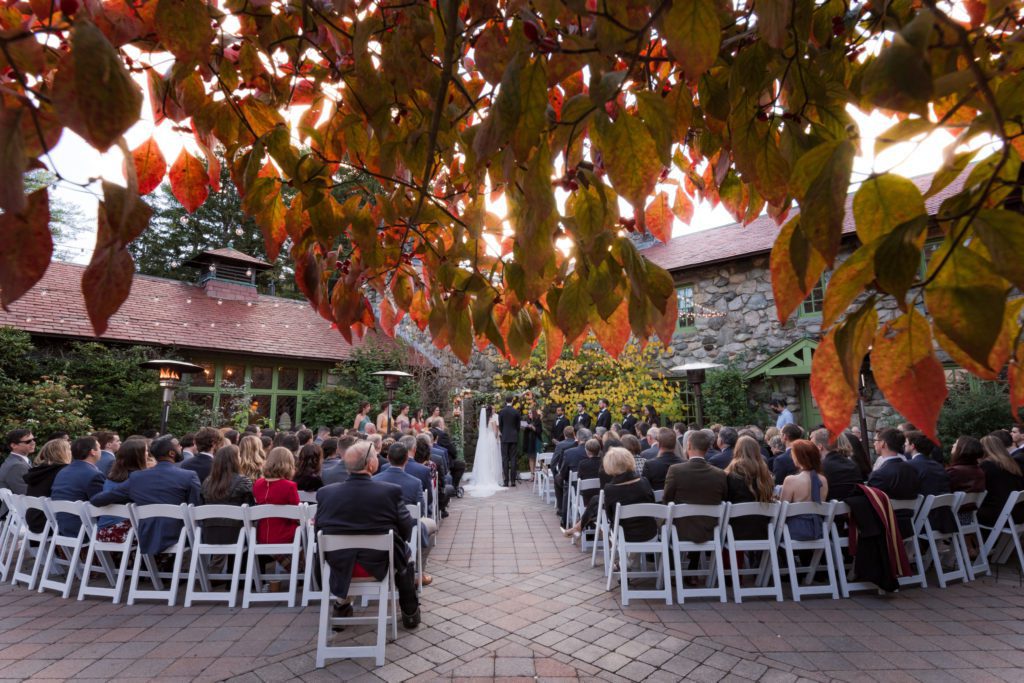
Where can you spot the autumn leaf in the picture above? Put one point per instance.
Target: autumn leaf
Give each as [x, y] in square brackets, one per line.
[835, 368]
[795, 268]
[659, 218]
[821, 179]
[907, 371]
[630, 156]
[613, 333]
[150, 166]
[27, 249]
[106, 283]
[183, 27]
[1000, 351]
[122, 216]
[554, 340]
[683, 207]
[883, 202]
[189, 182]
[847, 283]
[693, 33]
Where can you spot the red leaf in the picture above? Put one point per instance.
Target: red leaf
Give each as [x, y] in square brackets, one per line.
[795, 267]
[387, 317]
[206, 144]
[189, 182]
[665, 327]
[418, 311]
[27, 247]
[613, 333]
[121, 217]
[907, 371]
[835, 369]
[683, 207]
[106, 283]
[659, 218]
[554, 340]
[150, 166]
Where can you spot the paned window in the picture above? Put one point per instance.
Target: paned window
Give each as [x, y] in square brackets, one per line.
[687, 309]
[814, 304]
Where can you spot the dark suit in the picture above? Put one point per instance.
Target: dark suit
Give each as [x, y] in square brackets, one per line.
[362, 506]
[721, 459]
[604, 418]
[412, 494]
[898, 480]
[165, 483]
[201, 464]
[560, 448]
[629, 424]
[80, 480]
[581, 420]
[656, 470]
[1018, 457]
[650, 453]
[842, 475]
[508, 424]
[782, 467]
[422, 473]
[333, 471]
[570, 463]
[932, 477]
[558, 429]
[106, 462]
[12, 476]
[590, 468]
[455, 466]
[698, 482]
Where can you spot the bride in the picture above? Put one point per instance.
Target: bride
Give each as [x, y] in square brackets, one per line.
[486, 476]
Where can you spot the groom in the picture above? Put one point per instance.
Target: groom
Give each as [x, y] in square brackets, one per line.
[508, 424]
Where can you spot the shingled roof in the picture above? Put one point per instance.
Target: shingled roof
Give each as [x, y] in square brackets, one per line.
[736, 241]
[169, 312]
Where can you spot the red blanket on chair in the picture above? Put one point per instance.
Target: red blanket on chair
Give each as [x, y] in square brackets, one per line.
[898, 562]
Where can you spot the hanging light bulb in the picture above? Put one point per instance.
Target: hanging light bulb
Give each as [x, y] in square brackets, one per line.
[248, 272]
[213, 268]
[183, 220]
[239, 232]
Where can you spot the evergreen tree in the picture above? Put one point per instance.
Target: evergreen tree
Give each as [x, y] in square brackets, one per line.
[66, 219]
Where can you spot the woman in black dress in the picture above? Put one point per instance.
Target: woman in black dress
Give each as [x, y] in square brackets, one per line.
[749, 482]
[627, 487]
[533, 434]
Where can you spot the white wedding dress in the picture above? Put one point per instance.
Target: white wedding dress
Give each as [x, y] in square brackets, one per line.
[485, 479]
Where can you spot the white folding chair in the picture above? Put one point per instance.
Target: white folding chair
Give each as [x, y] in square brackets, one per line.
[819, 547]
[657, 545]
[36, 555]
[969, 526]
[540, 473]
[11, 531]
[233, 553]
[918, 578]
[841, 543]
[998, 547]
[924, 531]
[140, 514]
[383, 591]
[253, 576]
[711, 564]
[435, 510]
[307, 497]
[311, 590]
[569, 496]
[659, 496]
[67, 561]
[415, 543]
[103, 551]
[767, 547]
[602, 534]
[587, 536]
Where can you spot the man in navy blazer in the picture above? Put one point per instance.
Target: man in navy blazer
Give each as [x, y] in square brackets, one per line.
[727, 438]
[570, 463]
[109, 443]
[894, 475]
[165, 483]
[412, 491]
[783, 465]
[360, 505]
[208, 440]
[421, 472]
[79, 480]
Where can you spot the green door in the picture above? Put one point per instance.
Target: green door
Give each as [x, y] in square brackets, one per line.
[810, 416]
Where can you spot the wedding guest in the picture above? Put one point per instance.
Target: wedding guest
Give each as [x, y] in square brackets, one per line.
[656, 468]
[80, 480]
[842, 473]
[418, 422]
[52, 458]
[362, 418]
[132, 456]
[309, 468]
[384, 421]
[208, 440]
[808, 484]
[275, 487]
[749, 481]
[1002, 477]
[251, 457]
[20, 444]
[291, 442]
[858, 453]
[651, 417]
[402, 420]
[964, 473]
[226, 485]
[698, 482]
[590, 468]
[626, 487]
[109, 443]
[333, 468]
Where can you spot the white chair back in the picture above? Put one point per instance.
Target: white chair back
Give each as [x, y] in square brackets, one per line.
[140, 514]
[232, 554]
[767, 548]
[711, 563]
[819, 547]
[657, 546]
[20, 572]
[924, 530]
[254, 589]
[104, 551]
[307, 496]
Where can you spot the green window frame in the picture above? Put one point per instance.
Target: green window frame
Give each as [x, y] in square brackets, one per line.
[302, 381]
[814, 304]
[687, 315]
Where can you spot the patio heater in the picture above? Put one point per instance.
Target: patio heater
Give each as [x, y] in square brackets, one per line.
[170, 372]
[392, 378]
[696, 374]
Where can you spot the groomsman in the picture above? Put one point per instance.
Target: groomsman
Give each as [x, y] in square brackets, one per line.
[628, 419]
[561, 422]
[508, 424]
[582, 420]
[604, 417]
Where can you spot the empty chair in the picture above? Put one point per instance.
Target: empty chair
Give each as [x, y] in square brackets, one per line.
[1005, 535]
[66, 562]
[798, 525]
[910, 543]
[657, 546]
[767, 547]
[115, 571]
[540, 473]
[844, 570]
[176, 552]
[710, 560]
[292, 551]
[311, 589]
[233, 554]
[970, 527]
[924, 530]
[31, 555]
[383, 591]
[11, 531]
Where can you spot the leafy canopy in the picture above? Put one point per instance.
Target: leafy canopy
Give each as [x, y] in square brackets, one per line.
[450, 105]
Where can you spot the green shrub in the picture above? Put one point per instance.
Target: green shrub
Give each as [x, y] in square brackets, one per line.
[48, 405]
[331, 406]
[973, 409]
[725, 399]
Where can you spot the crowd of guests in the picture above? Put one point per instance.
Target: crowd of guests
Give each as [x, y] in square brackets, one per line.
[725, 464]
[356, 491]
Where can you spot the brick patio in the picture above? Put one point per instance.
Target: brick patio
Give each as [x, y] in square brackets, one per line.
[513, 600]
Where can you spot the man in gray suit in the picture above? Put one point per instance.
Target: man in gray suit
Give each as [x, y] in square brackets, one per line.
[21, 445]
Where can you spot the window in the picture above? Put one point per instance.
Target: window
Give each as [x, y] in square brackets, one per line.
[233, 375]
[262, 377]
[205, 378]
[288, 378]
[815, 301]
[687, 319]
[273, 394]
[689, 402]
[310, 379]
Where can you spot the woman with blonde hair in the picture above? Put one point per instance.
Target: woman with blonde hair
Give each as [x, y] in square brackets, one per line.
[251, 457]
[1002, 477]
[52, 458]
[749, 481]
[276, 487]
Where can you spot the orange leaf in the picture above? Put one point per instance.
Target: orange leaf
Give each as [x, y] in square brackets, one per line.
[659, 218]
[835, 369]
[418, 311]
[27, 247]
[106, 283]
[613, 333]
[665, 326]
[907, 371]
[1016, 373]
[683, 207]
[554, 340]
[189, 182]
[150, 166]
[1000, 350]
[121, 217]
[795, 267]
[387, 317]
[577, 343]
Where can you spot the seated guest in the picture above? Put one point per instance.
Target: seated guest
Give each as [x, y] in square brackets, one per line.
[333, 470]
[749, 481]
[698, 482]
[894, 476]
[650, 444]
[627, 488]
[208, 440]
[1002, 477]
[964, 473]
[109, 443]
[188, 447]
[310, 463]
[568, 441]
[230, 436]
[859, 454]
[360, 505]
[52, 458]
[289, 441]
[656, 470]
[20, 446]
[591, 468]
[165, 483]
[632, 444]
[132, 456]
[226, 485]
[80, 480]
[412, 494]
[807, 485]
[275, 487]
[418, 470]
[727, 437]
[439, 458]
[571, 460]
[783, 465]
[840, 471]
[250, 457]
[932, 476]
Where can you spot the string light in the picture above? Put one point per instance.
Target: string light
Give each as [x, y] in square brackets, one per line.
[239, 232]
[188, 300]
